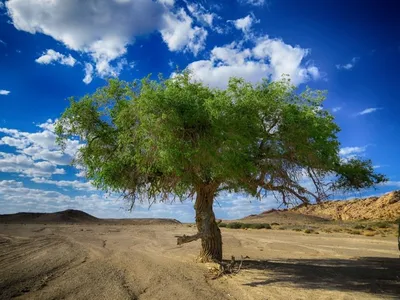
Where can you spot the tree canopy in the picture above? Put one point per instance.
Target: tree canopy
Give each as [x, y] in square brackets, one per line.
[152, 139]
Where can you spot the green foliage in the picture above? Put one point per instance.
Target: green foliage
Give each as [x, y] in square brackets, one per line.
[359, 226]
[309, 231]
[239, 225]
[234, 225]
[259, 226]
[382, 224]
[357, 232]
[297, 229]
[357, 174]
[245, 225]
[151, 139]
[222, 224]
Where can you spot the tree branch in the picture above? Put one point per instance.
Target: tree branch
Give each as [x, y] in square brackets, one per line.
[188, 238]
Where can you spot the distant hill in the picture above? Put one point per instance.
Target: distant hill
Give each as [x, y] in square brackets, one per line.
[386, 207]
[283, 217]
[72, 216]
[66, 216]
[143, 221]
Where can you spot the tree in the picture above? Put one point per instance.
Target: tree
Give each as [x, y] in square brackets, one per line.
[157, 139]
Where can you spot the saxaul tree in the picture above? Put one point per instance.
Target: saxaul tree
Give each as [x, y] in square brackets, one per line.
[151, 140]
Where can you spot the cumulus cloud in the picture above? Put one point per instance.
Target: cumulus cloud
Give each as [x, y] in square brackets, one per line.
[75, 184]
[349, 65]
[37, 153]
[103, 29]
[51, 56]
[179, 34]
[88, 73]
[268, 58]
[15, 197]
[244, 24]
[4, 92]
[201, 14]
[352, 151]
[368, 111]
[25, 165]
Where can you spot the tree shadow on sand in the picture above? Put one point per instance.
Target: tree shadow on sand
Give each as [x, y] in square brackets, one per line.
[367, 274]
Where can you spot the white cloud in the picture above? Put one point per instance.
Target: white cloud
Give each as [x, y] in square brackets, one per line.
[392, 183]
[51, 56]
[48, 125]
[236, 205]
[88, 73]
[75, 184]
[81, 173]
[4, 92]
[253, 2]
[167, 2]
[179, 34]
[269, 58]
[244, 24]
[368, 111]
[23, 164]
[349, 65]
[103, 29]
[201, 14]
[350, 151]
[336, 109]
[38, 149]
[15, 197]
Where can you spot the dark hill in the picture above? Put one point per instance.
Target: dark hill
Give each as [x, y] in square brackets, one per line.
[72, 216]
[66, 216]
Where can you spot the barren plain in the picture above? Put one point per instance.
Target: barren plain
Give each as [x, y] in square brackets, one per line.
[127, 261]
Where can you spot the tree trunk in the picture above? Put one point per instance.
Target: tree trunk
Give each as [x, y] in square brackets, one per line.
[211, 241]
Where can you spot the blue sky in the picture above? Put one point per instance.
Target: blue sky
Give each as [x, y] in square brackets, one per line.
[51, 50]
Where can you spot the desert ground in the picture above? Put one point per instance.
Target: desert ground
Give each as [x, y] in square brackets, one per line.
[107, 261]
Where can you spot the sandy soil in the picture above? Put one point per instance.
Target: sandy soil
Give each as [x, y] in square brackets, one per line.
[143, 262]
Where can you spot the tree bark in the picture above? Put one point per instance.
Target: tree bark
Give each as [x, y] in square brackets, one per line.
[211, 241]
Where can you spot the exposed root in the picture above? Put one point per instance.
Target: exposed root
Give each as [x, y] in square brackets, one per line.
[231, 268]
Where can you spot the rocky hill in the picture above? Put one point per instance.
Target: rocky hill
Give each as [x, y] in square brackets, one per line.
[386, 207]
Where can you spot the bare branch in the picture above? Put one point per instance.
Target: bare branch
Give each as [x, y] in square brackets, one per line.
[188, 238]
